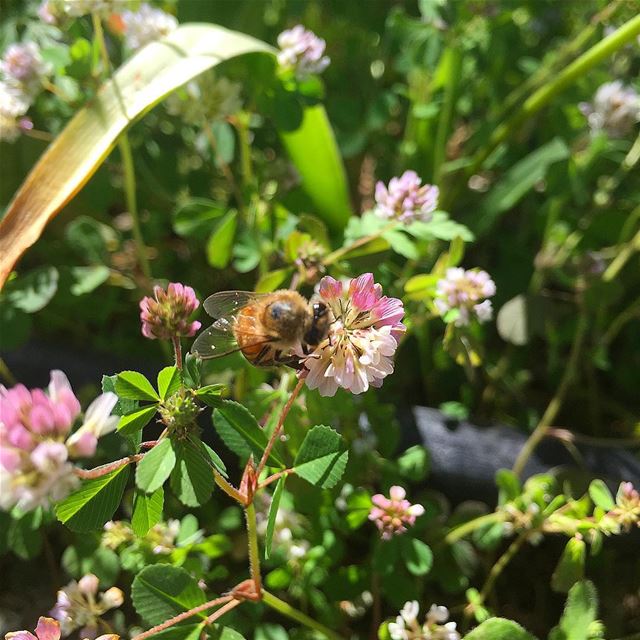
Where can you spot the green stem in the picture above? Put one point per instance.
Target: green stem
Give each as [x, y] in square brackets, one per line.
[5, 372]
[242, 127]
[577, 69]
[468, 527]
[128, 167]
[626, 252]
[254, 553]
[558, 399]
[501, 564]
[628, 314]
[287, 610]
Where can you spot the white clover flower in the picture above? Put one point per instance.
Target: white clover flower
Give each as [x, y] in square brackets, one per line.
[465, 291]
[302, 51]
[22, 64]
[13, 104]
[146, 25]
[615, 110]
[79, 8]
[435, 627]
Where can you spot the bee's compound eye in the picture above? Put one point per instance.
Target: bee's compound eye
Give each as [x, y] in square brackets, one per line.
[319, 309]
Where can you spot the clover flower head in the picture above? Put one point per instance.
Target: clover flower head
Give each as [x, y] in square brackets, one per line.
[47, 12]
[395, 514]
[79, 606]
[14, 103]
[79, 8]
[35, 445]
[22, 64]
[302, 51]
[435, 627]
[466, 292]
[116, 533]
[406, 199]
[363, 337]
[166, 315]
[627, 510]
[162, 536]
[146, 25]
[46, 629]
[615, 109]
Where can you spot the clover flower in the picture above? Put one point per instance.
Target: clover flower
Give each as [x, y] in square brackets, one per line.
[465, 292]
[167, 314]
[79, 606]
[615, 110]
[363, 337]
[22, 64]
[627, 509]
[406, 199]
[146, 25]
[302, 51]
[46, 629]
[393, 515]
[435, 627]
[13, 104]
[161, 538]
[36, 445]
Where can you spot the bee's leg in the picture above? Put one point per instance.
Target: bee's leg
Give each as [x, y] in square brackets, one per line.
[288, 361]
[263, 352]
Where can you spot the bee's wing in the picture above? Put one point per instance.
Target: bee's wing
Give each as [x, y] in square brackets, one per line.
[226, 304]
[219, 340]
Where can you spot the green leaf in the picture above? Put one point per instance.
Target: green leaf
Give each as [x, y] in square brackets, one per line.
[161, 591]
[25, 535]
[220, 243]
[169, 381]
[86, 279]
[358, 508]
[210, 394]
[273, 513]
[123, 406]
[413, 464]
[95, 502]
[314, 151]
[512, 322]
[225, 142]
[191, 371]
[196, 217]
[499, 629]
[134, 386]
[147, 510]
[401, 244]
[32, 291]
[580, 613]
[191, 479]
[518, 180]
[440, 227]
[272, 280]
[417, 556]
[156, 466]
[233, 417]
[91, 239]
[570, 567]
[322, 457]
[143, 80]
[181, 632]
[136, 420]
[86, 556]
[508, 484]
[601, 495]
[216, 460]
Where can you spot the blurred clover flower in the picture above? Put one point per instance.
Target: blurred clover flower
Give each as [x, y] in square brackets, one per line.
[161, 538]
[23, 65]
[79, 606]
[363, 337]
[13, 105]
[435, 627]
[146, 25]
[166, 316]
[34, 457]
[288, 524]
[466, 293]
[208, 98]
[393, 515]
[615, 110]
[302, 51]
[406, 199]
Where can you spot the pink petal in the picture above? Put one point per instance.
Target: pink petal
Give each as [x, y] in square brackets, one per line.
[48, 629]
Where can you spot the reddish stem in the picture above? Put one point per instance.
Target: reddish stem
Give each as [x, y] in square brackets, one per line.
[177, 350]
[183, 616]
[222, 610]
[102, 470]
[274, 477]
[280, 425]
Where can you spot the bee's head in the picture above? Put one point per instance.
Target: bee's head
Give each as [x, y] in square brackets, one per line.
[285, 318]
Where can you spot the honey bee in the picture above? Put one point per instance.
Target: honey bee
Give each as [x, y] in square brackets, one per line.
[265, 327]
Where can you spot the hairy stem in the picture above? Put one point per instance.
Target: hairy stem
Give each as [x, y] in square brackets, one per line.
[222, 610]
[279, 426]
[104, 469]
[254, 553]
[501, 564]
[558, 399]
[177, 351]
[182, 616]
[228, 488]
[468, 527]
[287, 610]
